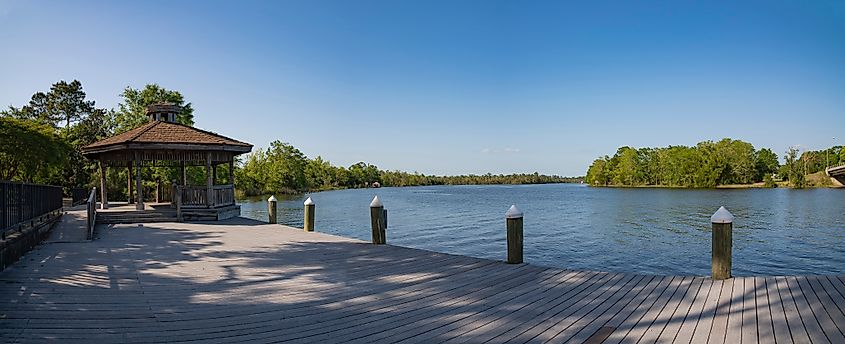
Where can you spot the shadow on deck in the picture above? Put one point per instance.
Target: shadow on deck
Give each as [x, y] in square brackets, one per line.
[242, 280]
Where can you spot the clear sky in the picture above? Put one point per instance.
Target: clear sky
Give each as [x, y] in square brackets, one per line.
[451, 87]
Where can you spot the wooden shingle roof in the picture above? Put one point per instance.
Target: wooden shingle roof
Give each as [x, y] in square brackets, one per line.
[160, 134]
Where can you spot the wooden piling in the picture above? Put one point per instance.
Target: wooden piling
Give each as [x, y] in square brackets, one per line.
[271, 209]
[309, 215]
[377, 219]
[513, 219]
[722, 222]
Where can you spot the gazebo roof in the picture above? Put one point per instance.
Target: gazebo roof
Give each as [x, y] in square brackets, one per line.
[163, 135]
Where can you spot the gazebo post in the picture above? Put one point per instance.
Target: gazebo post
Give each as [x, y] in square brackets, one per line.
[209, 180]
[139, 188]
[129, 197]
[184, 175]
[232, 170]
[104, 203]
[213, 174]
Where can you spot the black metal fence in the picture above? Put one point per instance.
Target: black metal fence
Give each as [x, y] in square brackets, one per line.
[78, 195]
[21, 202]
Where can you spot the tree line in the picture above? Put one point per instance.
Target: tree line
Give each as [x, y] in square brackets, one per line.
[41, 141]
[282, 168]
[708, 164]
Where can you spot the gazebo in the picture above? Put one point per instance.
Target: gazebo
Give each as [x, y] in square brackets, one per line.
[163, 142]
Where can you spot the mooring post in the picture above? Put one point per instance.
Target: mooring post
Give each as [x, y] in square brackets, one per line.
[309, 215]
[722, 222]
[377, 218]
[514, 224]
[271, 209]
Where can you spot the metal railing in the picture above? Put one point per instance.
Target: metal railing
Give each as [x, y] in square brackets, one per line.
[835, 167]
[22, 202]
[78, 195]
[91, 207]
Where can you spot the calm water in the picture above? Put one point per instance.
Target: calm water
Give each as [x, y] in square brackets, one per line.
[655, 231]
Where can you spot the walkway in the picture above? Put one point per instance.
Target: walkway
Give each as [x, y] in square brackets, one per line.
[71, 226]
[241, 281]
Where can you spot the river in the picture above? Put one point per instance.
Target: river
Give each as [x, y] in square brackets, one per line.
[652, 231]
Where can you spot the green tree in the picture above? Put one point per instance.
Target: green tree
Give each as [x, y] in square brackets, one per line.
[768, 181]
[286, 167]
[794, 168]
[739, 158]
[30, 151]
[765, 163]
[649, 166]
[98, 125]
[711, 161]
[131, 111]
[65, 102]
[626, 168]
[597, 174]
[74, 119]
[320, 174]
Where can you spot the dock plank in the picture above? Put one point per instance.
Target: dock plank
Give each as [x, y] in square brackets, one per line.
[805, 313]
[765, 327]
[793, 319]
[719, 330]
[828, 326]
[646, 323]
[675, 321]
[691, 320]
[778, 311]
[598, 325]
[591, 322]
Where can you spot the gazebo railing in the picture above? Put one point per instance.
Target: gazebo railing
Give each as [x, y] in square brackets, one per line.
[192, 196]
[198, 196]
[222, 195]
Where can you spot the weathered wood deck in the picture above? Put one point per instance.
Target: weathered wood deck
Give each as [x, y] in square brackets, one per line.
[240, 281]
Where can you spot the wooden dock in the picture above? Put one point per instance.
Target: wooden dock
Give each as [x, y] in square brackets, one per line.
[243, 281]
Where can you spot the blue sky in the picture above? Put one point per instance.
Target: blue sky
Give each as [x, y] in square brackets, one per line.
[451, 87]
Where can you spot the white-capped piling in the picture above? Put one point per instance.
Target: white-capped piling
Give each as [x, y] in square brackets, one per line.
[271, 209]
[722, 222]
[308, 223]
[378, 219]
[513, 219]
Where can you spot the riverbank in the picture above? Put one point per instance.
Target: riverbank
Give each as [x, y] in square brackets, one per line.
[815, 180]
[727, 186]
[241, 194]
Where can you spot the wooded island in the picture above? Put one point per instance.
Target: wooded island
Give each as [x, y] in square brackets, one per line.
[711, 164]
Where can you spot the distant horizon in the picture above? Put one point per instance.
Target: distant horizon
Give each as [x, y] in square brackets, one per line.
[444, 88]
